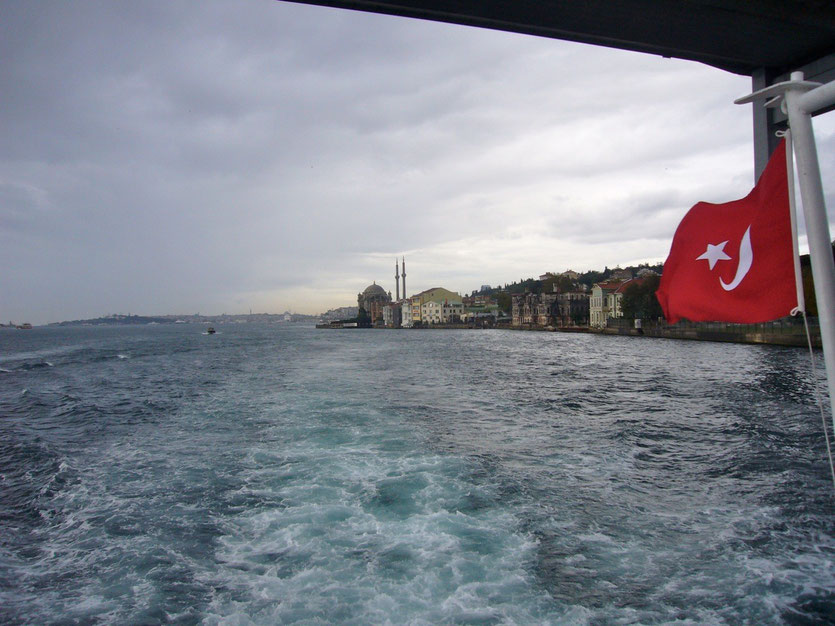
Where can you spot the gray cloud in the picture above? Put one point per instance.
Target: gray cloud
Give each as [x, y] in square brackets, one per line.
[175, 157]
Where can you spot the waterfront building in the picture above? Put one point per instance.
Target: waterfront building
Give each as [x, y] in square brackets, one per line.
[430, 312]
[600, 304]
[547, 310]
[572, 309]
[516, 306]
[393, 315]
[525, 309]
[405, 312]
[451, 312]
[441, 312]
[550, 309]
[481, 315]
[436, 294]
[373, 299]
[408, 315]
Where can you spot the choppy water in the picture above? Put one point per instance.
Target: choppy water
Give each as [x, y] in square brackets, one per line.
[279, 474]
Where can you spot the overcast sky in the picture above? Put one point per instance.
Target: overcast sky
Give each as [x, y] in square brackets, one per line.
[221, 156]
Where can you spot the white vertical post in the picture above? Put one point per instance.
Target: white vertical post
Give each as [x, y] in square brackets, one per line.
[799, 109]
[798, 273]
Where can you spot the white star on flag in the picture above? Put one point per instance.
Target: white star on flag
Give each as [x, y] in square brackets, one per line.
[714, 253]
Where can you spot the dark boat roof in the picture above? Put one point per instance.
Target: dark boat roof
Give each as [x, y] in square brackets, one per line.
[739, 36]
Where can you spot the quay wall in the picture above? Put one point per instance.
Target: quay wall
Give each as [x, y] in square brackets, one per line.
[789, 332]
[781, 333]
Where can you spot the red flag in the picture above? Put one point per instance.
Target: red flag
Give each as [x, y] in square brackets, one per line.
[733, 262]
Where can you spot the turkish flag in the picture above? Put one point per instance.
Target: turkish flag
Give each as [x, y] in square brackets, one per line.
[734, 262]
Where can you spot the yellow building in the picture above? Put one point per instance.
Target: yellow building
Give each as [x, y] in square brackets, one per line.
[436, 294]
[411, 311]
[439, 294]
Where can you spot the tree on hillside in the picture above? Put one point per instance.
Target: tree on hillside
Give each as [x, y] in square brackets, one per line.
[655, 267]
[639, 301]
[591, 277]
[504, 301]
[531, 285]
[565, 284]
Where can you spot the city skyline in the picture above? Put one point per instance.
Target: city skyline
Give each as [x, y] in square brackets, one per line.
[272, 156]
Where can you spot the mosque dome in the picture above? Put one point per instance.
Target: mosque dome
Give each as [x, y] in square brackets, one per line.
[374, 290]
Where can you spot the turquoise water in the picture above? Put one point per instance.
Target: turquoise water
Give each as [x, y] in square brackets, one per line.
[279, 474]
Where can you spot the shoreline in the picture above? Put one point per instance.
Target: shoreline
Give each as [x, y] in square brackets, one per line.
[760, 334]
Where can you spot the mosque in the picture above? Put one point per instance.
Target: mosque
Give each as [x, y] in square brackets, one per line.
[374, 297]
[431, 306]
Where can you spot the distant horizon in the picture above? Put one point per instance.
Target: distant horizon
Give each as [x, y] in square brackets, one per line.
[322, 312]
[173, 316]
[319, 312]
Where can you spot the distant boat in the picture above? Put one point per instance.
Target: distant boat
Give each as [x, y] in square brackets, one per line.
[25, 326]
[210, 330]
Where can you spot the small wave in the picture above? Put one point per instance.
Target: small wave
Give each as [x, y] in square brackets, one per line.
[34, 366]
[595, 538]
[121, 356]
[5, 371]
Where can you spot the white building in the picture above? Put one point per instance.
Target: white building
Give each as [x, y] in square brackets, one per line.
[441, 312]
[600, 304]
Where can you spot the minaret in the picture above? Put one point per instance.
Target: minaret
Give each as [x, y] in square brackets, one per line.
[397, 278]
[404, 277]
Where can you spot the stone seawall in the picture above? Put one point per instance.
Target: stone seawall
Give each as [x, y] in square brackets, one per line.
[759, 336]
[794, 335]
[733, 333]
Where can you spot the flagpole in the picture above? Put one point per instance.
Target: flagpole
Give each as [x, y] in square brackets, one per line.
[800, 104]
[798, 273]
[799, 99]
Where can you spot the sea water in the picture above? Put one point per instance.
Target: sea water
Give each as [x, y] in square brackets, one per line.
[276, 474]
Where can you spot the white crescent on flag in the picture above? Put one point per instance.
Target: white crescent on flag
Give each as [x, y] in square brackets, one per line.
[746, 260]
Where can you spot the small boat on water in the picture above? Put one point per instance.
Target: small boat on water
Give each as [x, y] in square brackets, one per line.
[25, 326]
[210, 330]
